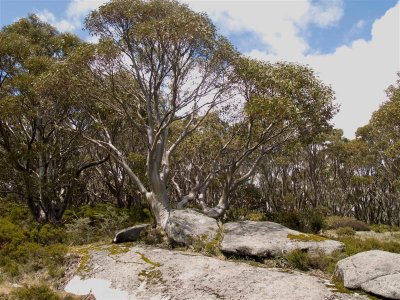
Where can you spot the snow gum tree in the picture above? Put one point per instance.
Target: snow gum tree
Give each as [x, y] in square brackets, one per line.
[280, 104]
[178, 69]
[42, 162]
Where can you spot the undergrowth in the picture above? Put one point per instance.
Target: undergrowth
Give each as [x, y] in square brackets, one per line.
[28, 247]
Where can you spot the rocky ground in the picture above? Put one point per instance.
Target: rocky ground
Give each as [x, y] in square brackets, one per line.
[151, 273]
[133, 271]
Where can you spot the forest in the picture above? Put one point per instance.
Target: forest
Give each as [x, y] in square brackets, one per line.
[164, 113]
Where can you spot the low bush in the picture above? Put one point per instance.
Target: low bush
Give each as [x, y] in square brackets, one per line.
[298, 259]
[309, 221]
[380, 228]
[319, 261]
[204, 245]
[88, 224]
[40, 292]
[26, 245]
[335, 222]
[345, 231]
[356, 245]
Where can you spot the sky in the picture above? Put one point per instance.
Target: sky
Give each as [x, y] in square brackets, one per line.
[353, 45]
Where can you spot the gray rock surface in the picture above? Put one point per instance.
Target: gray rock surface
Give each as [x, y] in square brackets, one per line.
[374, 271]
[130, 234]
[387, 286]
[149, 273]
[185, 225]
[266, 239]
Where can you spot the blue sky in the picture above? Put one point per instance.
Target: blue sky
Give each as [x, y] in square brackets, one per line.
[354, 45]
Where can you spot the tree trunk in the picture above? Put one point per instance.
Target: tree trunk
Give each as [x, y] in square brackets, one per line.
[219, 210]
[159, 204]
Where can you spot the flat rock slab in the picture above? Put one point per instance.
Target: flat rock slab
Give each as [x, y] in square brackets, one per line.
[266, 239]
[186, 225]
[150, 273]
[130, 234]
[374, 271]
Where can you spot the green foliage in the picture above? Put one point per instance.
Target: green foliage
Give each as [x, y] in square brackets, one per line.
[380, 228]
[308, 221]
[26, 245]
[298, 259]
[41, 160]
[335, 222]
[91, 223]
[38, 292]
[356, 245]
[204, 245]
[319, 261]
[256, 216]
[345, 231]
[41, 292]
[306, 237]
[236, 214]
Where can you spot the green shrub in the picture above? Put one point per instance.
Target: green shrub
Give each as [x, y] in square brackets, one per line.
[235, 214]
[256, 216]
[39, 292]
[309, 221]
[319, 261]
[26, 245]
[11, 268]
[315, 221]
[356, 245]
[79, 231]
[298, 259]
[203, 244]
[345, 231]
[90, 223]
[239, 214]
[384, 228]
[335, 222]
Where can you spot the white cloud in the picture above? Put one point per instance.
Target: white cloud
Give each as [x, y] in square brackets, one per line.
[92, 39]
[80, 8]
[360, 24]
[278, 23]
[326, 13]
[76, 11]
[61, 25]
[359, 73]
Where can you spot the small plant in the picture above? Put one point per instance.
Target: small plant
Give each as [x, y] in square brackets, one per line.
[203, 244]
[151, 276]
